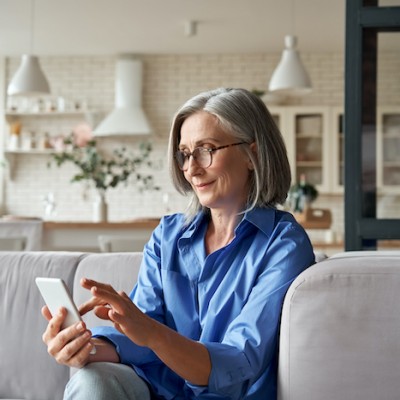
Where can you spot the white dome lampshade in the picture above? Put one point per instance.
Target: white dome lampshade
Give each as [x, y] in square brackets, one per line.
[29, 79]
[290, 77]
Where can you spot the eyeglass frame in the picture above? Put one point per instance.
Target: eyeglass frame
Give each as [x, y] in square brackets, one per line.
[199, 150]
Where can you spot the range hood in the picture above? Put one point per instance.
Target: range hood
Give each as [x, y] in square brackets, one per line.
[128, 117]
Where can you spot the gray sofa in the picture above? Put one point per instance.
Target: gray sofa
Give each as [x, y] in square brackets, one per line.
[340, 330]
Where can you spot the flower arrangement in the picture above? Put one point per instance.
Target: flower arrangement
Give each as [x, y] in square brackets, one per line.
[102, 171]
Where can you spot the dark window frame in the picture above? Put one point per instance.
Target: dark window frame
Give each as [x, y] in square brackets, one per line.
[364, 19]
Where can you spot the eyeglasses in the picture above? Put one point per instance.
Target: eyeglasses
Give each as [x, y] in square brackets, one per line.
[202, 156]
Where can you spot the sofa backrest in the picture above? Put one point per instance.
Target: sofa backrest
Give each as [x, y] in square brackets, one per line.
[118, 269]
[340, 330]
[26, 370]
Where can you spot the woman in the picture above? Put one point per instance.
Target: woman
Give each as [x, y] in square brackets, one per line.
[202, 321]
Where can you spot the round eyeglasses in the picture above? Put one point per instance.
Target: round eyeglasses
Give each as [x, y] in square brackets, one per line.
[202, 156]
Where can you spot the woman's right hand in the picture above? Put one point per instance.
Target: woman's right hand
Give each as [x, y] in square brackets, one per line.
[70, 346]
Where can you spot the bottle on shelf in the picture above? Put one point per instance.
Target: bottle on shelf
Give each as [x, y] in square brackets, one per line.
[45, 142]
[14, 142]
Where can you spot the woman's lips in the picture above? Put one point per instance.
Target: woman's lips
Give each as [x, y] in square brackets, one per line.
[202, 186]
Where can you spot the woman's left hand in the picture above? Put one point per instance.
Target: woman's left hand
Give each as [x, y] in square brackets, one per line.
[119, 309]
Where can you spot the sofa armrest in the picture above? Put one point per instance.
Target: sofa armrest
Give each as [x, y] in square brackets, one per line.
[340, 330]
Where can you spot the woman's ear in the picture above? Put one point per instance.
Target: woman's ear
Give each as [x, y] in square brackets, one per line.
[253, 148]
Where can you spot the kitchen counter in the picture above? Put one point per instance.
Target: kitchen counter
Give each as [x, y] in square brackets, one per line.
[143, 223]
[83, 236]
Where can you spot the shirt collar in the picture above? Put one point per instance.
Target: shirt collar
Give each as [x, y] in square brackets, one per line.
[261, 218]
[194, 225]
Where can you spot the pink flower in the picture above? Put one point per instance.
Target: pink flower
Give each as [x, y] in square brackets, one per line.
[82, 134]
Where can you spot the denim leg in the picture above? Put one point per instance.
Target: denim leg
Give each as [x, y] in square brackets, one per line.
[106, 381]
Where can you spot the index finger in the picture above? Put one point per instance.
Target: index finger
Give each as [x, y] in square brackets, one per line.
[87, 283]
[108, 296]
[46, 313]
[90, 305]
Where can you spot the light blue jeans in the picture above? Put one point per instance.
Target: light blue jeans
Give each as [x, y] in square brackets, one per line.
[106, 381]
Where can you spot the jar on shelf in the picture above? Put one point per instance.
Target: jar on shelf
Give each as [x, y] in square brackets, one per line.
[33, 140]
[26, 140]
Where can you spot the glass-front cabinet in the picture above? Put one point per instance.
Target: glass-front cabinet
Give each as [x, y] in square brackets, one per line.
[388, 149]
[305, 130]
[314, 138]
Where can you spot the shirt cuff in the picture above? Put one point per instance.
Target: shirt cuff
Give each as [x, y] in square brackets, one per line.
[230, 369]
[129, 353]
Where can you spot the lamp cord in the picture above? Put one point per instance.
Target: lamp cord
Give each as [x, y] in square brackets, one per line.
[292, 27]
[32, 26]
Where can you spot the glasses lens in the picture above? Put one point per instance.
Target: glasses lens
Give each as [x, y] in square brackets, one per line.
[180, 159]
[202, 157]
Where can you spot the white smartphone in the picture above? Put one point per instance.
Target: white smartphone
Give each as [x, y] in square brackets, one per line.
[56, 295]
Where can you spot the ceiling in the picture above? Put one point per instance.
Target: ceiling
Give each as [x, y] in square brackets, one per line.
[99, 27]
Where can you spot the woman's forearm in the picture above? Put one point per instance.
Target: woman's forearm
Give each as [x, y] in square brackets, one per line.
[188, 358]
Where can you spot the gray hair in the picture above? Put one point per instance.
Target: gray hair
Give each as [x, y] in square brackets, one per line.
[243, 115]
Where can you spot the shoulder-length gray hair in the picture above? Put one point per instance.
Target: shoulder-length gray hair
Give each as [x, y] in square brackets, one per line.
[243, 115]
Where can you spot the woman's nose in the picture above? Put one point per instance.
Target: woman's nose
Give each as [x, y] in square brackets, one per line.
[193, 166]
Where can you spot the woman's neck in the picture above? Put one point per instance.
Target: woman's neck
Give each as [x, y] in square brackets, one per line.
[220, 231]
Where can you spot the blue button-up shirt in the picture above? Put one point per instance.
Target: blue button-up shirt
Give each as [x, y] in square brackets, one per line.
[229, 300]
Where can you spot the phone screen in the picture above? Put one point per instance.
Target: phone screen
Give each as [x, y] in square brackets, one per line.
[56, 295]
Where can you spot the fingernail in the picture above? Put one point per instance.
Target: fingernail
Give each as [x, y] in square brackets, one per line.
[93, 350]
[80, 326]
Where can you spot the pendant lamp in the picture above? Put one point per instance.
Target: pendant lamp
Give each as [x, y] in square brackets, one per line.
[29, 79]
[290, 78]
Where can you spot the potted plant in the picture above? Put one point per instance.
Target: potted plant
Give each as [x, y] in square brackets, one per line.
[301, 195]
[104, 171]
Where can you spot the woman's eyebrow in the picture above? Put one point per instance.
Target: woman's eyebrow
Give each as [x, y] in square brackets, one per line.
[201, 142]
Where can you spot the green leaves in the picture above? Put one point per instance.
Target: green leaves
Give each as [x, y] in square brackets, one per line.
[107, 172]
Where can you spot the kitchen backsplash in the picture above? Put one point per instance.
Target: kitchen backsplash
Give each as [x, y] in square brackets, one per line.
[168, 80]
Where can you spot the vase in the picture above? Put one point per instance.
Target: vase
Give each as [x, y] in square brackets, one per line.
[100, 208]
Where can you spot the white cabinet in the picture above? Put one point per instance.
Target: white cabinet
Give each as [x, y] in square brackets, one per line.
[388, 149]
[314, 138]
[306, 133]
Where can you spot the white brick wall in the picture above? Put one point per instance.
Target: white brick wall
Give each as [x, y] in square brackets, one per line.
[168, 81]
